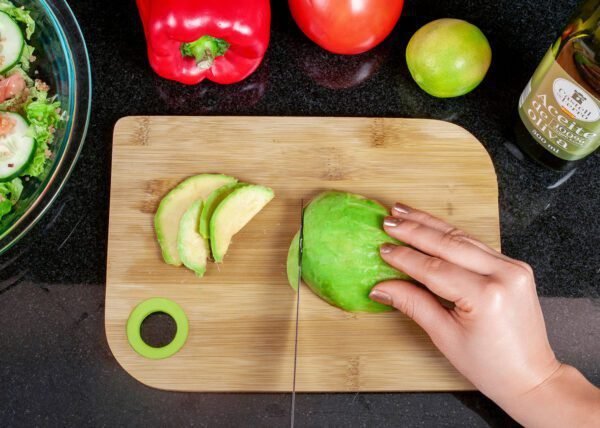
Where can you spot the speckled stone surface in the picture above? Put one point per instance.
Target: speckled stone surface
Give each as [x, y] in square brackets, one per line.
[55, 365]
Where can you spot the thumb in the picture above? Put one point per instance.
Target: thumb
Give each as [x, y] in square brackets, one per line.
[415, 302]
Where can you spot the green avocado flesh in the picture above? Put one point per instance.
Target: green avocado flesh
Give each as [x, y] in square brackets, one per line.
[175, 204]
[213, 200]
[340, 256]
[292, 262]
[192, 247]
[233, 213]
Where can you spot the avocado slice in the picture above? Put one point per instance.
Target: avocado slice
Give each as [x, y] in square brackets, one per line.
[233, 213]
[213, 200]
[292, 262]
[192, 248]
[174, 205]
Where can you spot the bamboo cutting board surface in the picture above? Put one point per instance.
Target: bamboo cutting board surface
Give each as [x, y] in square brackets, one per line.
[242, 313]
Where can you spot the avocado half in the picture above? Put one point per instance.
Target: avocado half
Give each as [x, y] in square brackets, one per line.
[340, 258]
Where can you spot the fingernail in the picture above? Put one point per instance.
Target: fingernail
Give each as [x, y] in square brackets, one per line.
[387, 248]
[380, 297]
[401, 208]
[391, 221]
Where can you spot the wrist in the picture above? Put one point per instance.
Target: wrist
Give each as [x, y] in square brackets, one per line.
[566, 398]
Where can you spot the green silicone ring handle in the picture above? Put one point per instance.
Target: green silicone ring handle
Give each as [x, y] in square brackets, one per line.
[141, 312]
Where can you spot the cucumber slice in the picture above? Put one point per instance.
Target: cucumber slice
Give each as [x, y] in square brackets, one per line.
[16, 147]
[175, 204]
[233, 213]
[12, 42]
[192, 248]
[213, 200]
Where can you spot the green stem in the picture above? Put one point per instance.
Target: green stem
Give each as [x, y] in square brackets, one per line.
[205, 50]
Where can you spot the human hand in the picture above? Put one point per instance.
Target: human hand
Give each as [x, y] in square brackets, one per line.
[495, 333]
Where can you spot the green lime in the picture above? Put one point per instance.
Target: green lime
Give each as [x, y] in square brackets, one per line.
[448, 57]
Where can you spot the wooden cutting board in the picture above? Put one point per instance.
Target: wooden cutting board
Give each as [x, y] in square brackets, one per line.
[242, 313]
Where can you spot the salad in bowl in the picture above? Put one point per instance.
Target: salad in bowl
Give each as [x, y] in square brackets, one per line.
[45, 93]
[29, 114]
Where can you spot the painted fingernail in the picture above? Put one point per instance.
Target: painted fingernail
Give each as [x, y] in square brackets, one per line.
[380, 297]
[401, 208]
[387, 248]
[391, 221]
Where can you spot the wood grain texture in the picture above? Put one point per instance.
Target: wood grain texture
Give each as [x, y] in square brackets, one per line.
[242, 312]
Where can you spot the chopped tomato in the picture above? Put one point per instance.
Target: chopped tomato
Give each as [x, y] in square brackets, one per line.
[11, 87]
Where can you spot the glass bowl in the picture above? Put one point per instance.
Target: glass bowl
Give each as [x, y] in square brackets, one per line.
[63, 63]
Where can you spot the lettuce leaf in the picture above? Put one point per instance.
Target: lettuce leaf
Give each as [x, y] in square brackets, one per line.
[10, 192]
[26, 57]
[43, 115]
[5, 208]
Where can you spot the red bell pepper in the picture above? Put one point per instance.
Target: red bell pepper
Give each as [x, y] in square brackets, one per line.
[190, 40]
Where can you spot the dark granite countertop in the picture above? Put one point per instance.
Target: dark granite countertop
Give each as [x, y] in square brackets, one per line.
[55, 365]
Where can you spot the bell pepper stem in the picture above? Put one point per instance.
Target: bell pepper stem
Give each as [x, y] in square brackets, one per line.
[205, 50]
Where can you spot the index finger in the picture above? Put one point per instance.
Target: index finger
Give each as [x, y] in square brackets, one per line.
[444, 245]
[406, 212]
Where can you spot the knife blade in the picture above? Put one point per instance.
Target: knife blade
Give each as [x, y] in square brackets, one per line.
[300, 249]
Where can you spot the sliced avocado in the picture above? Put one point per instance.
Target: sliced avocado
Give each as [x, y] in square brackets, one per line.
[233, 213]
[213, 200]
[193, 248]
[174, 205]
[292, 261]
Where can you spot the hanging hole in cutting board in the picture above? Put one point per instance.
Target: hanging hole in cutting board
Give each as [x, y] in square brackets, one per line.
[158, 329]
[157, 310]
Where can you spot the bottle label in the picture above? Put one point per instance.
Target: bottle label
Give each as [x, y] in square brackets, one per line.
[560, 114]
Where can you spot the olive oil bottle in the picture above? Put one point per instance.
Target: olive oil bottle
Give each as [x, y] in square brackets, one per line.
[560, 106]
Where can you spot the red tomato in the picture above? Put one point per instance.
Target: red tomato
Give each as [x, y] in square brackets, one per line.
[346, 26]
